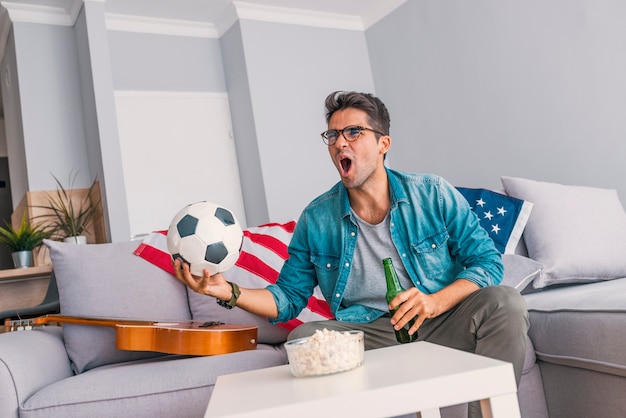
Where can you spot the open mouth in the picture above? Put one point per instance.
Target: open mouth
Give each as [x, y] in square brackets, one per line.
[346, 163]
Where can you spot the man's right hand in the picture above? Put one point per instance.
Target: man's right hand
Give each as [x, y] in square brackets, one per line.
[215, 286]
[258, 301]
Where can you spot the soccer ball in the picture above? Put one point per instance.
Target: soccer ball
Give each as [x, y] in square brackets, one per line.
[205, 236]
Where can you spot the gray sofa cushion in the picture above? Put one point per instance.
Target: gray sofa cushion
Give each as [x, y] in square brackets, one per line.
[585, 243]
[30, 360]
[170, 386]
[578, 334]
[519, 271]
[108, 280]
[581, 326]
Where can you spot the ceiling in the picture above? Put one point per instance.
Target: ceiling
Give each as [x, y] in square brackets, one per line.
[347, 14]
[369, 11]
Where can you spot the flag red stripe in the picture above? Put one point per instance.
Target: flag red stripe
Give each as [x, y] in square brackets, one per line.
[320, 307]
[271, 243]
[289, 226]
[257, 267]
[156, 257]
[290, 325]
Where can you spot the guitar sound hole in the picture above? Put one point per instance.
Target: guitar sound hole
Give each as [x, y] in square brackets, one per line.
[210, 324]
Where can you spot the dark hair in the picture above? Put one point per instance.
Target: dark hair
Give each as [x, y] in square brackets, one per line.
[377, 114]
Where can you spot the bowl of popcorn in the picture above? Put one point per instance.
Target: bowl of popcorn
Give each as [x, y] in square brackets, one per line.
[325, 352]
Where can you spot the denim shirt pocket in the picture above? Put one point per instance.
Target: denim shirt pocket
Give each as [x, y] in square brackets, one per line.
[325, 264]
[326, 268]
[433, 255]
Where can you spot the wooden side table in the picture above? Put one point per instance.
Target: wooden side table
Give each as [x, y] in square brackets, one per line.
[23, 288]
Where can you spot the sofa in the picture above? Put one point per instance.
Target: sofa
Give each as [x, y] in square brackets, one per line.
[576, 236]
[572, 277]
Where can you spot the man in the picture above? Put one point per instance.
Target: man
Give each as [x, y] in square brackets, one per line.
[446, 261]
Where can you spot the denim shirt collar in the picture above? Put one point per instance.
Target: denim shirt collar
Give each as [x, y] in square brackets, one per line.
[396, 192]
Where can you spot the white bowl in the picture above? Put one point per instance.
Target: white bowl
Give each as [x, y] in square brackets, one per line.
[325, 352]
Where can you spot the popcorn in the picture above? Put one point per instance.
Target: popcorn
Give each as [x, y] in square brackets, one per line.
[325, 352]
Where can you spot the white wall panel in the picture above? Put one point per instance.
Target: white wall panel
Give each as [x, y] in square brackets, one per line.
[177, 148]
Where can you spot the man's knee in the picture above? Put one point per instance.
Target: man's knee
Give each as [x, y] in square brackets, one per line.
[507, 303]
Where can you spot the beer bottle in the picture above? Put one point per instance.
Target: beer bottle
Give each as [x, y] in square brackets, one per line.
[393, 288]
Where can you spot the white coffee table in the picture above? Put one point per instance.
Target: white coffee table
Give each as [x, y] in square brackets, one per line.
[392, 381]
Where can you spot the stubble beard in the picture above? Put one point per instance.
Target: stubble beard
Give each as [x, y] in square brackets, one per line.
[361, 178]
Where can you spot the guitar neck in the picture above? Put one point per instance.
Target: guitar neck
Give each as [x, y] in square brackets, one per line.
[81, 320]
[27, 324]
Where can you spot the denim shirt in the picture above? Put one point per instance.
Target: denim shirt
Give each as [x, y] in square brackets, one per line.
[435, 232]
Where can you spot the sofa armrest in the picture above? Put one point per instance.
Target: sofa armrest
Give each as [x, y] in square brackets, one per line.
[29, 361]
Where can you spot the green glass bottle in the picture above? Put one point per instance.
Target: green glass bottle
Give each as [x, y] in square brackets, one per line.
[393, 288]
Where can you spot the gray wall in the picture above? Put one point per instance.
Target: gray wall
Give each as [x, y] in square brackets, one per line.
[155, 62]
[44, 121]
[476, 90]
[242, 117]
[481, 89]
[277, 77]
[13, 122]
[101, 133]
[290, 70]
[51, 107]
[160, 63]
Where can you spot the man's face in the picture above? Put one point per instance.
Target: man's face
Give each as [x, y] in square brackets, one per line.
[359, 160]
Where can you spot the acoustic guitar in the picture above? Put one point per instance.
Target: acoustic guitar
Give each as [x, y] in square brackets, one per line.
[190, 337]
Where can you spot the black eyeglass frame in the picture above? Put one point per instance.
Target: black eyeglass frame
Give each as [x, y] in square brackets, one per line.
[328, 141]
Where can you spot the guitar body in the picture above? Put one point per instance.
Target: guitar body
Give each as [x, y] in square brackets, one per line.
[186, 338]
[190, 337]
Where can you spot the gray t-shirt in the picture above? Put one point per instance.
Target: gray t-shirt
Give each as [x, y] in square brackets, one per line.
[366, 283]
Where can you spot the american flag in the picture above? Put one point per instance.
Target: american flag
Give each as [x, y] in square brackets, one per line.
[263, 252]
[502, 216]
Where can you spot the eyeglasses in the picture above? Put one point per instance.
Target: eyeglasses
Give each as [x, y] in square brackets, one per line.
[350, 133]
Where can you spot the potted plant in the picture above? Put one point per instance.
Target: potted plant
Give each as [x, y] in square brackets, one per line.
[23, 240]
[68, 217]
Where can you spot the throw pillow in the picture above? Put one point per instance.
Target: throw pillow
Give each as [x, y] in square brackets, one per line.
[107, 280]
[263, 252]
[577, 233]
[503, 217]
[519, 271]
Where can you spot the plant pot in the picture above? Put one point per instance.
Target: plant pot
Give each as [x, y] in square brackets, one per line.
[22, 259]
[80, 239]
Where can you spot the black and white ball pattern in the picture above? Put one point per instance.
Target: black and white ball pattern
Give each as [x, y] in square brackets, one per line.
[205, 236]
